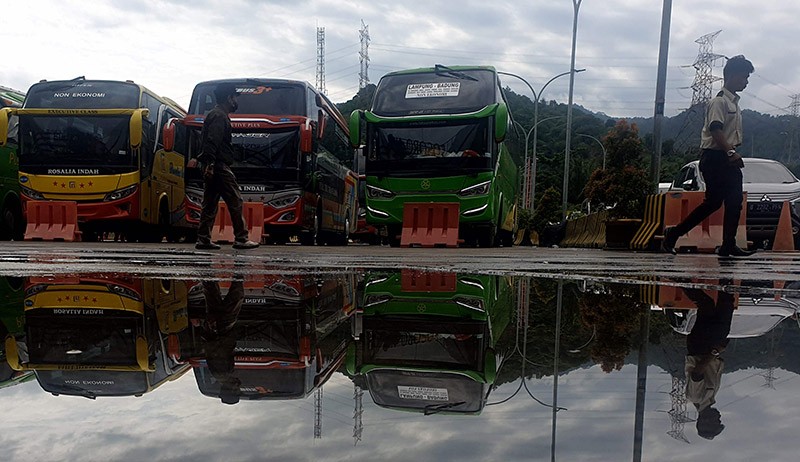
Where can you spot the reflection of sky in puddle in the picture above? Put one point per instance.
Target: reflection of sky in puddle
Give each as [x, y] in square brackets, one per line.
[400, 365]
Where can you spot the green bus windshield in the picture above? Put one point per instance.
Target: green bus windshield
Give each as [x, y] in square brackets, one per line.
[446, 147]
[82, 94]
[440, 92]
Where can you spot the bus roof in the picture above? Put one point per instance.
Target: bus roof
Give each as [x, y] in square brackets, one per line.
[421, 70]
[11, 97]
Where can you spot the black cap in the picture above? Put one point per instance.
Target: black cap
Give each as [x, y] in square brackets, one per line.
[224, 90]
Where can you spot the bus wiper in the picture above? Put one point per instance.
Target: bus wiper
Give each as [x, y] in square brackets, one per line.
[447, 72]
[436, 408]
[72, 389]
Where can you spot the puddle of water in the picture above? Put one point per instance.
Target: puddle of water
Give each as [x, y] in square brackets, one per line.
[403, 364]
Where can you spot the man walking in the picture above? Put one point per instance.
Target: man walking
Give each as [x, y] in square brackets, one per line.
[218, 178]
[720, 164]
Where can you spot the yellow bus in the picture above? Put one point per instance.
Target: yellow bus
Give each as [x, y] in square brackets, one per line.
[100, 335]
[99, 143]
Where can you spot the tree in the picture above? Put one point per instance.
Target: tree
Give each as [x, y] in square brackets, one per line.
[624, 184]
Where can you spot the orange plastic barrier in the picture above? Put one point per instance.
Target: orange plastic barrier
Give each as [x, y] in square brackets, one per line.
[784, 240]
[427, 281]
[706, 236]
[52, 221]
[222, 231]
[430, 224]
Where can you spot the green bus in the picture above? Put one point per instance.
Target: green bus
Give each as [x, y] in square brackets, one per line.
[430, 347]
[435, 135]
[12, 224]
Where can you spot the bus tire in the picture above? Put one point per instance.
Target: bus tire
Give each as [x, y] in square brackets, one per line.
[13, 226]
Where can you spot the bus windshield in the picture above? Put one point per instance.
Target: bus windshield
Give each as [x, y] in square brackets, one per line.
[91, 384]
[67, 141]
[255, 98]
[102, 341]
[440, 145]
[274, 149]
[442, 92]
[82, 94]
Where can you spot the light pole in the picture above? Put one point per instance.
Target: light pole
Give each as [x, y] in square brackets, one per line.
[598, 142]
[576, 4]
[536, 97]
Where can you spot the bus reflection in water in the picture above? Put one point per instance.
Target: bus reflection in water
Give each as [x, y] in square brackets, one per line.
[426, 341]
[99, 335]
[271, 338]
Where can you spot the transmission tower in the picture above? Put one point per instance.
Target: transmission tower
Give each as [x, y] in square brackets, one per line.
[358, 394]
[794, 107]
[703, 79]
[318, 414]
[363, 56]
[677, 414]
[321, 60]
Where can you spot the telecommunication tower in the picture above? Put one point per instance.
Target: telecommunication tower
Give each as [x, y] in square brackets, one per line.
[318, 413]
[321, 60]
[363, 56]
[703, 79]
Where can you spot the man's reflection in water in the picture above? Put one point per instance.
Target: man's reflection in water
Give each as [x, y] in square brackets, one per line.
[220, 339]
[706, 341]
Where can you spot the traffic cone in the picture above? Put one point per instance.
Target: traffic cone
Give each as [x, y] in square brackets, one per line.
[784, 241]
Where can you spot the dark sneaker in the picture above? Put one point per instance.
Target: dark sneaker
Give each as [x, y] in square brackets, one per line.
[244, 245]
[670, 239]
[206, 246]
[734, 251]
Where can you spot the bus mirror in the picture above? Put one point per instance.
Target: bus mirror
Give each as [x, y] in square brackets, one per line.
[355, 128]
[490, 365]
[143, 354]
[500, 122]
[136, 126]
[350, 359]
[306, 137]
[320, 123]
[169, 135]
[12, 355]
[4, 116]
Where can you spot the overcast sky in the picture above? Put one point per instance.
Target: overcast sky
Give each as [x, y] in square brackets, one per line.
[170, 45]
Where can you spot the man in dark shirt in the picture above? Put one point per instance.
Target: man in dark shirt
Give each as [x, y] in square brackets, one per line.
[219, 181]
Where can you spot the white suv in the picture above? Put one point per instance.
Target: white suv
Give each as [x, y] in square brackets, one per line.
[768, 184]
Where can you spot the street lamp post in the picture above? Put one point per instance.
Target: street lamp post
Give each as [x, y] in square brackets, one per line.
[576, 4]
[598, 142]
[536, 97]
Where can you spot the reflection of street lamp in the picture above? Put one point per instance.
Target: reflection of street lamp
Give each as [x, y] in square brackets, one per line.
[536, 97]
[576, 4]
[598, 142]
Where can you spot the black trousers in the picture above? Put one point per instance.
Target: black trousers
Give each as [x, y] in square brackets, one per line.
[723, 186]
[222, 185]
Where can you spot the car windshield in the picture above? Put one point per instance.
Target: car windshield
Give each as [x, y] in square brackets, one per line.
[767, 172]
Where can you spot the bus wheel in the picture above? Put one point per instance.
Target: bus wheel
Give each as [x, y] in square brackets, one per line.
[313, 236]
[344, 236]
[12, 226]
[486, 237]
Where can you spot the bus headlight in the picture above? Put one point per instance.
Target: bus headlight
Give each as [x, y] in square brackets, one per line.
[120, 193]
[470, 303]
[37, 196]
[194, 198]
[480, 189]
[124, 292]
[283, 202]
[378, 193]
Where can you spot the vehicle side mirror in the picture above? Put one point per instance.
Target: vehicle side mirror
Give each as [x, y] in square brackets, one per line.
[355, 127]
[5, 115]
[500, 122]
[135, 126]
[321, 122]
[690, 184]
[168, 135]
[306, 137]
